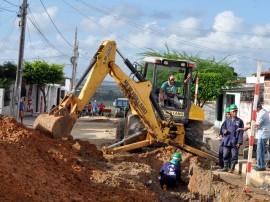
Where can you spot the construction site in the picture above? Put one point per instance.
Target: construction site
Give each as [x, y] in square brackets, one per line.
[36, 167]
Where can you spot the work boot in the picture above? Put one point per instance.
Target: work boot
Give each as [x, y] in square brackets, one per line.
[267, 165]
[232, 168]
[164, 188]
[225, 168]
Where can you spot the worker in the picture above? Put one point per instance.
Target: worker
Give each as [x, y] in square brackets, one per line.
[262, 134]
[232, 139]
[268, 155]
[95, 108]
[167, 91]
[170, 173]
[101, 107]
[21, 109]
[89, 108]
[227, 116]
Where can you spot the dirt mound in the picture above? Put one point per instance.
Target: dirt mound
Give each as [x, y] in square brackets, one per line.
[35, 167]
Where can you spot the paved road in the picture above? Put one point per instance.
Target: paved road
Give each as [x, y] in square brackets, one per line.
[29, 120]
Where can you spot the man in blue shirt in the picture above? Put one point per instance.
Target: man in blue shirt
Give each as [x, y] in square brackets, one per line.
[262, 135]
[221, 147]
[170, 173]
[232, 139]
[168, 91]
[21, 109]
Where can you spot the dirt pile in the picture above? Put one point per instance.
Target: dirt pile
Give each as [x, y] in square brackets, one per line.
[35, 167]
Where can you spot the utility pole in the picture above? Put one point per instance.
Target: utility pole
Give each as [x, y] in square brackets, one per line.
[18, 84]
[74, 61]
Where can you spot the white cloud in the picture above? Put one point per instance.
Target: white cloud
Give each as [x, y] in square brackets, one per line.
[227, 21]
[189, 26]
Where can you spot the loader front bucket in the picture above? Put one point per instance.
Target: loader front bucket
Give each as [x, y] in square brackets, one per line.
[58, 126]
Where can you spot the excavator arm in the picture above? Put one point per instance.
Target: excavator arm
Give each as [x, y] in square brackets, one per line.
[60, 120]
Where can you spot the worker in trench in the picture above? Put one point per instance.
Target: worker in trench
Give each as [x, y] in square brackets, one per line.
[170, 173]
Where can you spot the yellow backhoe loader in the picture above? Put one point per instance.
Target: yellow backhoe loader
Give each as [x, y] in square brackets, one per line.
[166, 125]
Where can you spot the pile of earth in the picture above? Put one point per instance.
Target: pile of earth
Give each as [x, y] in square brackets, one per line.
[35, 167]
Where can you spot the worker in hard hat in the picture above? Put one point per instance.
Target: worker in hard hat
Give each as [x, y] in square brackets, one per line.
[232, 138]
[170, 173]
[220, 153]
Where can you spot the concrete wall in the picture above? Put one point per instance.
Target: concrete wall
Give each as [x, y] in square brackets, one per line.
[2, 93]
[209, 113]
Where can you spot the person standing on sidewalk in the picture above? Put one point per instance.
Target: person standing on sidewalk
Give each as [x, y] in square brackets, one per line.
[232, 138]
[21, 109]
[262, 135]
[221, 147]
[268, 155]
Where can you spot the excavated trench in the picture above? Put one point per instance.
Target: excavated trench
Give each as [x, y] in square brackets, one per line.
[35, 167]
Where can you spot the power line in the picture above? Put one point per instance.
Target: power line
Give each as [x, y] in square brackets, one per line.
[30, 39]
[11, 3]
[1, 8]
[55, 25]
[8, 35]
[101, 25]
[34, 23]
[158, 33]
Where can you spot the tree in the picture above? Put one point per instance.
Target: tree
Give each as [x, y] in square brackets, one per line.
[41, 73]
[214, 75]
[7, 76]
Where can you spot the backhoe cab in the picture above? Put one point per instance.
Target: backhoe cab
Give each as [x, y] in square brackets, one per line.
[155, 68]
[147, 123]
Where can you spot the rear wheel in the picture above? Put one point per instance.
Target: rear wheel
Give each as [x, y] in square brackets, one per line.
[120, 129]
[130, 126]
[120, 115]
[194, 137]
[195, 128]
[134, 125]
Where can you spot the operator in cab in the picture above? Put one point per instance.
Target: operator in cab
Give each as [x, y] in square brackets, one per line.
[167, 92]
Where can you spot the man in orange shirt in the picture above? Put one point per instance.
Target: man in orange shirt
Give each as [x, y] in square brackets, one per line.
[90, 108]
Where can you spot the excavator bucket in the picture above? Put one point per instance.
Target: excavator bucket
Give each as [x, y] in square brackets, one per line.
[58, 126]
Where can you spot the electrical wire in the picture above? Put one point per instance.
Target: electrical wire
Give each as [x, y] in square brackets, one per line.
[166, 35]
[30, 40]
[55, 25]
[107, 30]
[8, 35]
[34, 23]
[1, 8]
[11, 3]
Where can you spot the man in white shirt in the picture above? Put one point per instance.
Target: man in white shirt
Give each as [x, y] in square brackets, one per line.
[262, 135]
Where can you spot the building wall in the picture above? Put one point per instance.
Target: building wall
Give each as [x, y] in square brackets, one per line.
[209, 113]
[266, 92]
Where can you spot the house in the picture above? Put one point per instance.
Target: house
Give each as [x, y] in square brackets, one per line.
[33, 98]
[243, 97]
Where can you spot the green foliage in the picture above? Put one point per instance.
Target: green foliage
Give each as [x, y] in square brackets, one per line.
[40, 73]
[209, 87]
[8, 70]
[7, 76]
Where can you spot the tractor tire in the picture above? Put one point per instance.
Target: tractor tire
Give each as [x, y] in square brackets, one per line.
[120, 129]
[134, 125]
[120, 115]
[194, 137]
[195, 128]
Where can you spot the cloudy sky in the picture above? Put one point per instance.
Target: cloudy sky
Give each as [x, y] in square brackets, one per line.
[236, 30]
